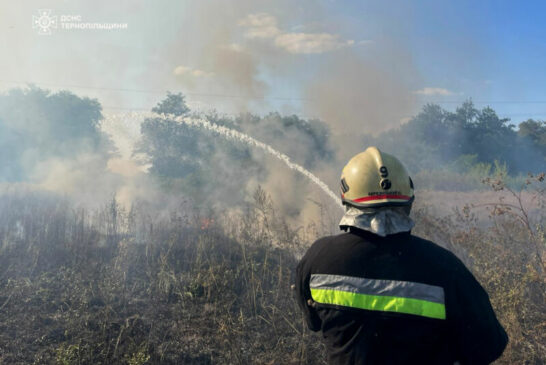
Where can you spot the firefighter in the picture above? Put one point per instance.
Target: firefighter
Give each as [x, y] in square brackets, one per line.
[381, 295]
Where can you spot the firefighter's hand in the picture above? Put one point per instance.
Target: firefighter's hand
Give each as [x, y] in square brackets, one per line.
[311, 303]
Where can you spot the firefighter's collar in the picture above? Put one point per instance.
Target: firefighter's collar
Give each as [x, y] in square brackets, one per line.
[380, 221]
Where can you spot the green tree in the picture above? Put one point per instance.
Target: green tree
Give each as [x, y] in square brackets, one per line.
[172, 148]
[436, 138]
[535, 130]
[36, 125]
[532, 141]
[490, 137]
[195, 161]
[174, 104]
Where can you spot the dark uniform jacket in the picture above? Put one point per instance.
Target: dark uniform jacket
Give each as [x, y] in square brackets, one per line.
[395, 300]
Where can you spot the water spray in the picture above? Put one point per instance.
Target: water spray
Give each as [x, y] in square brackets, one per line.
[234, 135]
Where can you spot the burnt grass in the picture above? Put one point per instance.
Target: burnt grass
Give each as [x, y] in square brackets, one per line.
[134, 287]
[174, 293]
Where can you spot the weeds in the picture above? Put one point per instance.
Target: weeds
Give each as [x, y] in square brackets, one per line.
[82, 287]
[131, 287]
[503, 243]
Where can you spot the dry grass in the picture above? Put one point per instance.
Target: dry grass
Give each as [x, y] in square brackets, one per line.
[181, 290]
[132, 287]
[500, 236]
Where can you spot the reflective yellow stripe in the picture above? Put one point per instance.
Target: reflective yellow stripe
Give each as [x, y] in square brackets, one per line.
[381, 287]
[379, 303]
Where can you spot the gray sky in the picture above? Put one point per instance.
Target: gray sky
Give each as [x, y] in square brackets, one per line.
[229, 56]
[380, 63]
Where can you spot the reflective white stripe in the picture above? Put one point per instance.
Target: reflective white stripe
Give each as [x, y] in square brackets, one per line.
[392, 288]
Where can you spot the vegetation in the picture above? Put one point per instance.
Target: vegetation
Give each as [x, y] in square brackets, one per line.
[436, 138]
[41, 132]
[119, 287]
[36, 126]
[131, 287]
[191, 282]
[189, 160]
[507, 254]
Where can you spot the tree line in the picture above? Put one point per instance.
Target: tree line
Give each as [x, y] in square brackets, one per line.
[437, 138]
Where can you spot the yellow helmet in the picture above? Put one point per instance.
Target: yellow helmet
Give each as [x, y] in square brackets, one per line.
[373, 179]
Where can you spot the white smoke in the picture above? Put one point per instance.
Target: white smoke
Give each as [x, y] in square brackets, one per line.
[131, 121]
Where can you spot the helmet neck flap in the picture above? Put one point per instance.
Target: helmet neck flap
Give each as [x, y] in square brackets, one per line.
[381, 221]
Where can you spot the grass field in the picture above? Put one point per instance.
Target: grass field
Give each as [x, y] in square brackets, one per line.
[84, 286]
